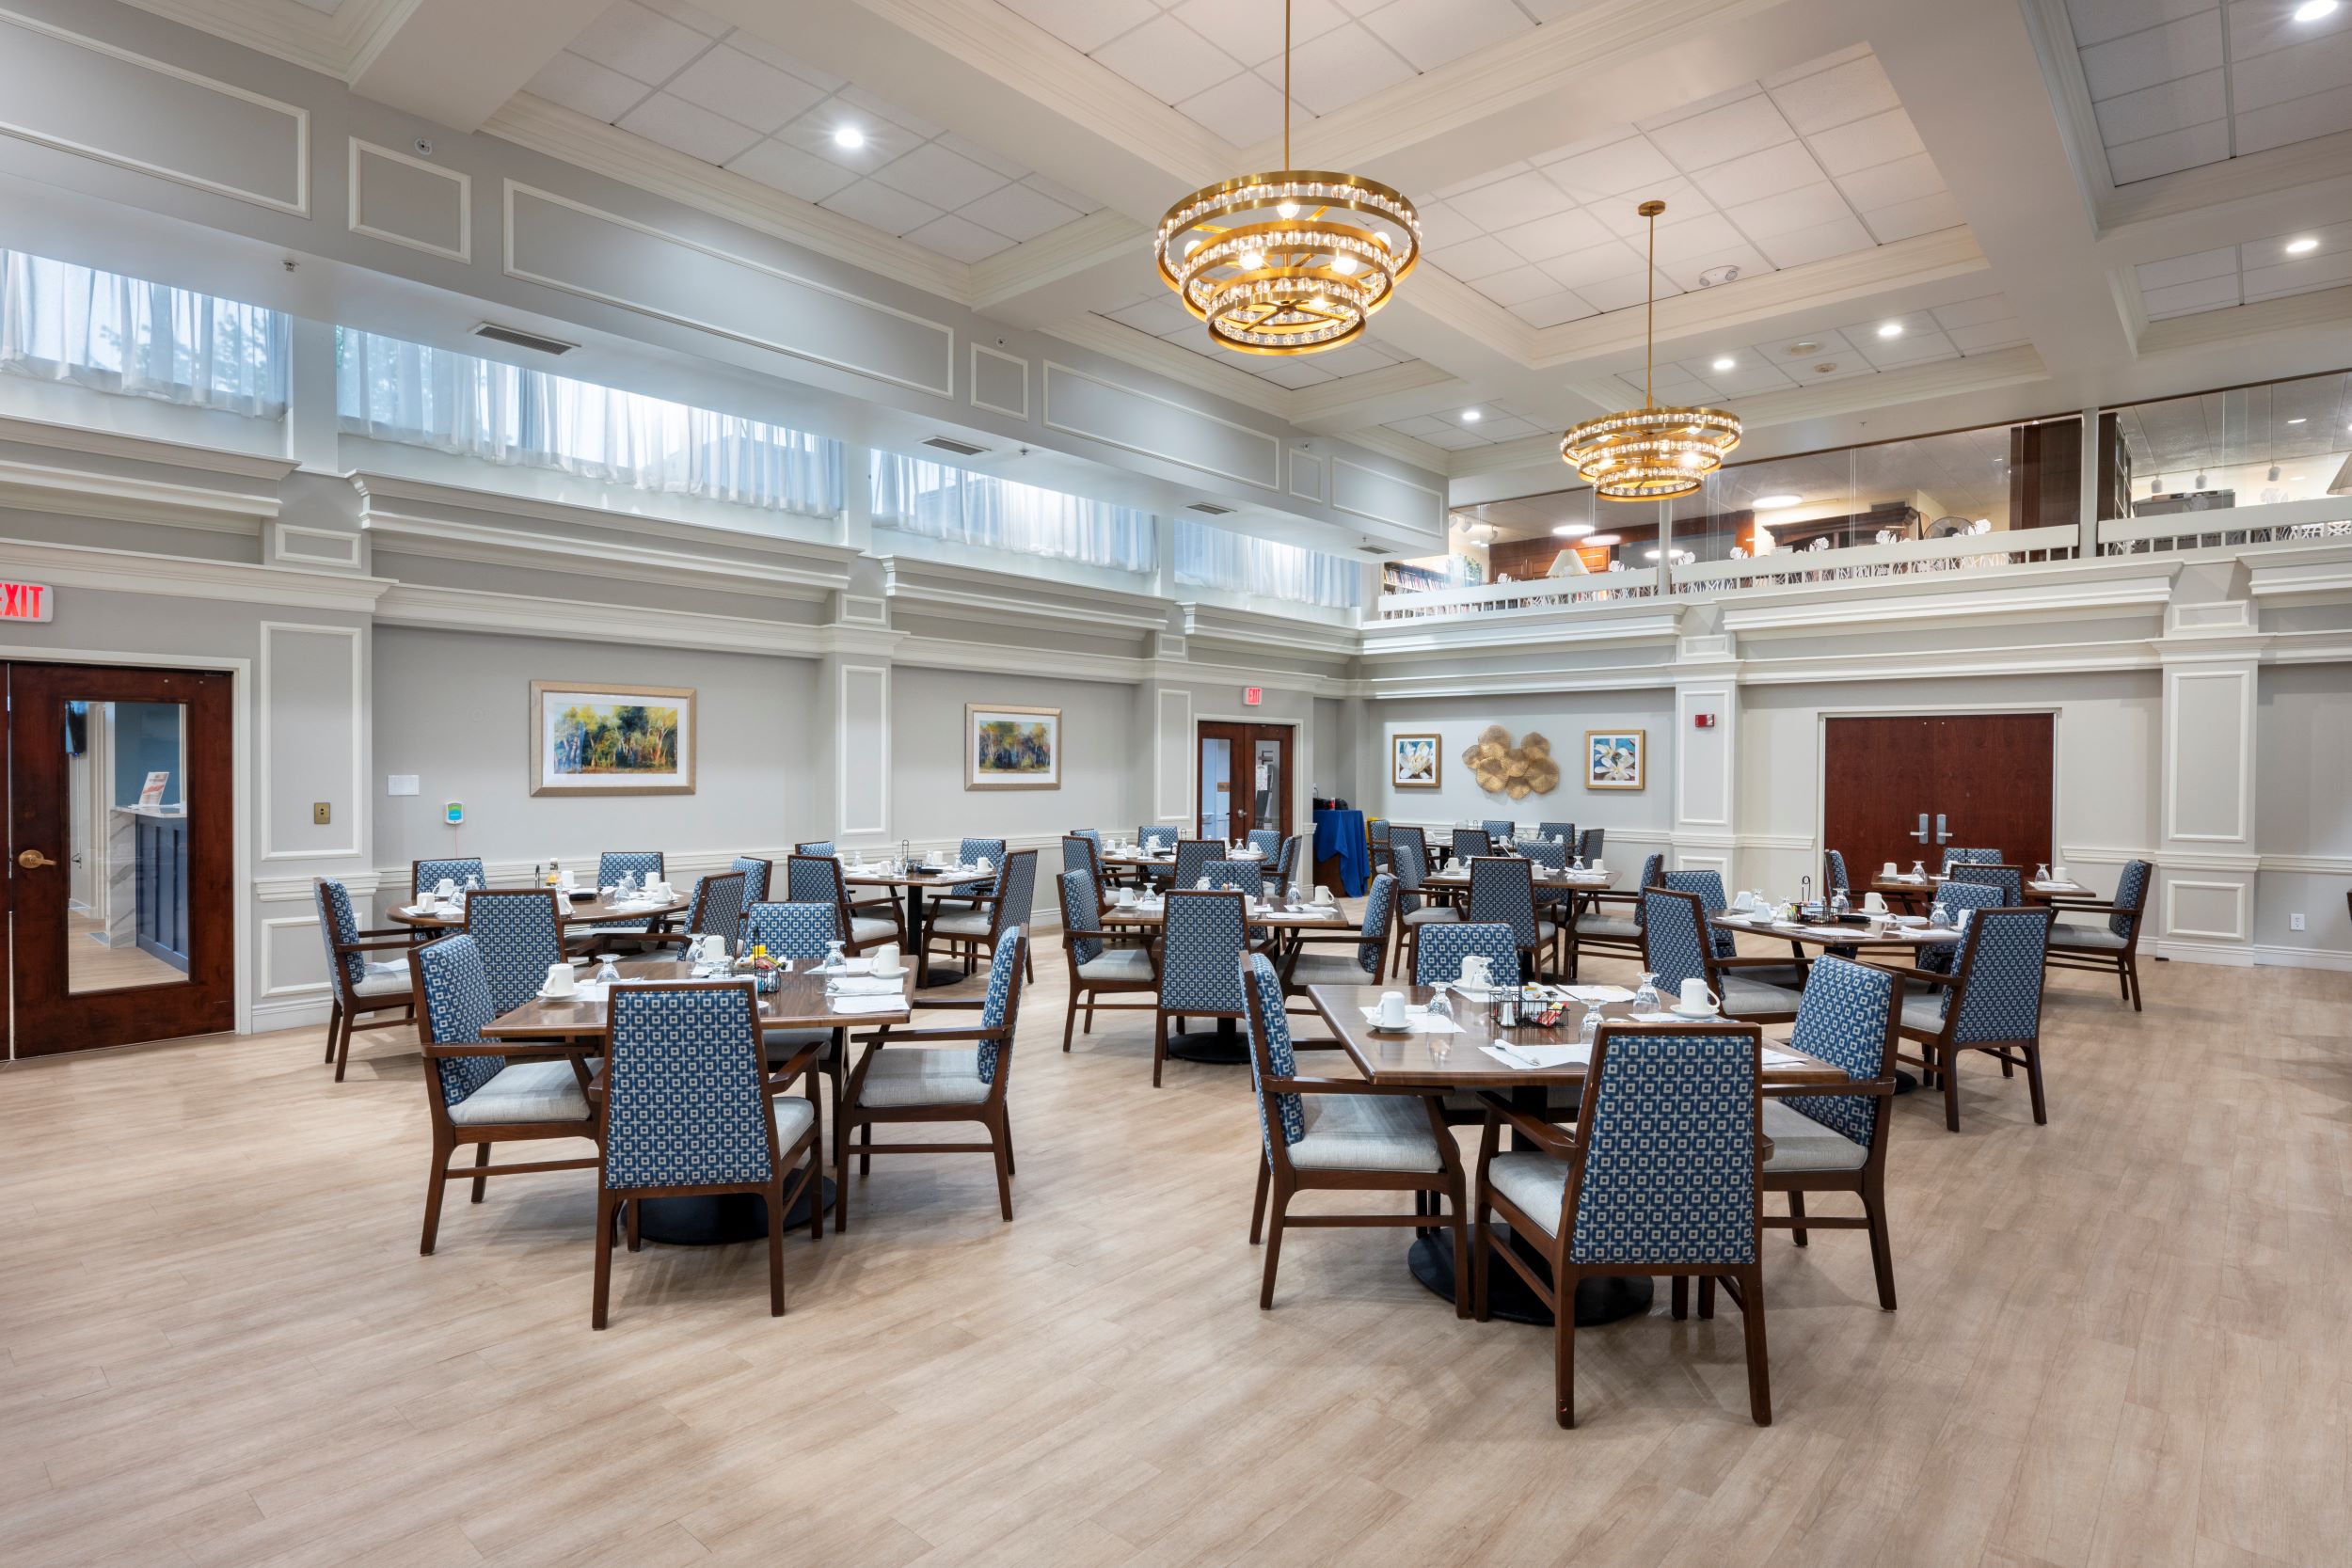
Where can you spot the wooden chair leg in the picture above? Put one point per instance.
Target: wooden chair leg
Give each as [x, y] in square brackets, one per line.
[1070, 1020]
[1461, 1250]
[1881, 1249]
[1159, 1047]
[2033, 1082]
[1796, 1211]
[1013, 1166]
[1003, 1153]
[1681, 1293]
[1759, 1363]
[1090, 1023]
[2133, 964]
[1564, 1354]
[1950, 1072]
[844, 1134]
[775, 1247]
[343, 1046]
[334, 1027]
[438, 1180]
[480, 1183]
[1482, 1263]
[604, 1259]
[1707, 1296]
[1257, 1208]
[1273, 1247]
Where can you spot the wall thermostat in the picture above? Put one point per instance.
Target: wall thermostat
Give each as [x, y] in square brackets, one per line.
[453, 812]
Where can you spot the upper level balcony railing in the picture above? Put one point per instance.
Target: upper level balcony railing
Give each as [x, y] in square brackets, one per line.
[1909, 558]
[1540, 594]
[2303, 522]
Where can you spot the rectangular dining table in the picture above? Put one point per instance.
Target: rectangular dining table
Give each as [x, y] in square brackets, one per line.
[1459, 1063]
[914, 882]
[799, 1001]
[570, 910]
[1225, 1046]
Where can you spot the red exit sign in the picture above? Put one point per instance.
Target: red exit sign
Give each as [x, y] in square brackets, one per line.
[1252, 695]
[25, 601]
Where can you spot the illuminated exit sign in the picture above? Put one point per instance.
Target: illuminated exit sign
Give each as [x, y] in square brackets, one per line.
[1250, 695]
[25, 601]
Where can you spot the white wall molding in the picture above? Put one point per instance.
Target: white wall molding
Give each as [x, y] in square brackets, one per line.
[81, 493]
[356, 797]
[189, 577]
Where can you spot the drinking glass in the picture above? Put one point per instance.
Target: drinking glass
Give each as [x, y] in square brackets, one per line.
[608, 971]
[1940, 916]
[2042, 873]
[1645, 999]
[835, 962]
[1589, 1030]
[1918, 868]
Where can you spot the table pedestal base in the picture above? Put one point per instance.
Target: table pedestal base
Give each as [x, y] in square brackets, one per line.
[718, 1219]
[1600, 1299]
[1225, 1048]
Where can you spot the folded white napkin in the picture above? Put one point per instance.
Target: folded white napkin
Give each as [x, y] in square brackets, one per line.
[863, 985]
[1418, 1020]
[1539, 1056]
[1775, 1057]
[1599, 994]
[856, 1005]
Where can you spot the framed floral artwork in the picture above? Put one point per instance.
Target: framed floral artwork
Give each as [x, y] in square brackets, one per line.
[611, 739]
[1613, 758]
[1414, 762]
[1011, 747]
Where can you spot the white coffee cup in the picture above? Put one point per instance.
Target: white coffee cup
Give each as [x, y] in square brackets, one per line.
[1474, 969]
[559, 982]
[1745, 902]
[1202, 885]
[984, 865]
[714, 948]
[1696, 999]
[1323, 895]
[886, 960]
[1125, 898]
[1888, 869]
[1597, 865]
[1874, 903]
[2058, 874]
[1391, 1009]
[445, 890]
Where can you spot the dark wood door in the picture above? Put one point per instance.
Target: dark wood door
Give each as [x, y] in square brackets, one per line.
[1243, 779]
[151, 953]
[1981, 779]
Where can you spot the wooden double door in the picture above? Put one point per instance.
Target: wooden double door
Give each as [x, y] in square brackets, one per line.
[120, 897]
[1901, 789]
[1243, 779]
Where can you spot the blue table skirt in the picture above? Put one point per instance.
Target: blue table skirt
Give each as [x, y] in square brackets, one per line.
[1340, 834]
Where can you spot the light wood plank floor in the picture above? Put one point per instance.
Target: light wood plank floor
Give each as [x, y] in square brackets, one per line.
[2121, 1339]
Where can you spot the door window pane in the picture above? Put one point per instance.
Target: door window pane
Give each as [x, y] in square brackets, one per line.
[1216, 788]
[126, 909]
[1265, 809]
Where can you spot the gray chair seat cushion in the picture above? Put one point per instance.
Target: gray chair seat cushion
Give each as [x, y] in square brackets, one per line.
[1743, 998]
[1924, 1013]
[1118, 966]
[1800, 1143]
[2066, 933]
[1363, 1131]
[524, 1091]
[923, 1075]
[1610, 928]
[1786, 977]
[1534, 1181]
[795, 1115]
[383, 982]
[962, 923]
[864, 931]
[1434, 914]
[1328, 969]
[782, 1044]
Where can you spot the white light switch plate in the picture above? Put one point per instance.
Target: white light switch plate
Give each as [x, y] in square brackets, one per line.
[400, 783]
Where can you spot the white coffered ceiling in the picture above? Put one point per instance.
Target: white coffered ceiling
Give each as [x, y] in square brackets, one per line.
[2247, 273]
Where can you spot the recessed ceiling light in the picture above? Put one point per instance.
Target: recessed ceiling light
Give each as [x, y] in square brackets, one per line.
[2303, 247]
[2312, 10]
[848, 136]
[2298, 419]
[1890, 329]
[1774, 503]
[1472, 416]
[1572, 530]
[1650, 555]
[1726, 362]
[1604, 539]
[1803, 346]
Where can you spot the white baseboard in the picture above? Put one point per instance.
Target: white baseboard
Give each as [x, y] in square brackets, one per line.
[2246, 957]
[290, 1012]
[2303, 958]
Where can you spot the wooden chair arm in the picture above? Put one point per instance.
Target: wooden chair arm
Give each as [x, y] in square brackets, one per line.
[919, 1036]
[1345, 1086]
[405, 941]
[1758, 963]
[2086, 906]
[1926, 977]
[486, 1048]
[795, 1068]
[1534, 1129]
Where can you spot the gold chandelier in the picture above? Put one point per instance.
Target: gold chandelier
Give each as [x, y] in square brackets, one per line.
[1650, 453]
[1289, 262]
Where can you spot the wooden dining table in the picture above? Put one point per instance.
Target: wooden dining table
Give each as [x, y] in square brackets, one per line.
[569, 911]
[1915, 895]
[912, 883]
[1225, 1046]
[1459, 1063]
[1844, 935]
[581, 1023]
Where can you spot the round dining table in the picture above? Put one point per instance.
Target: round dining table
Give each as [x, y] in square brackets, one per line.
[570, 910]
[1225, 1046]
[911, 883]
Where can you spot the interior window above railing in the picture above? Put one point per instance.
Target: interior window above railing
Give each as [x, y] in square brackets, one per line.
[1208, 557]
[937, 501]
[100, 330]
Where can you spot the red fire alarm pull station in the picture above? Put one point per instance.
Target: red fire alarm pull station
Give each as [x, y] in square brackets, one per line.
[1703, 720]
[1252, 695]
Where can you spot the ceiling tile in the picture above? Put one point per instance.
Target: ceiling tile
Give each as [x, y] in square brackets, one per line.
[946, 180]
[1617, 169]
[1508, 427]
[2184, 299]
[2187, 269]
[688, 128]
[1698, 106]
[1797, 246]
[2153, 55]
[1062, 194]
[954, 237]
[1787, 167]
[1968, 312]
[875, 103]
[966, 147]
[1984, 336]
[1293, 374]
[1086, 25]
[1251, 30]
[1555, 235]
[1521, 199]
[1475, 259]
[1554, 309]
[1721, 135]
[1161, 315]
[1430, 33]
[1243, 108]
[1623, 216]
[1854, 89]
[692, 16]
[1420, 425]
[1516, 286]
[1440, 225]
[638, 43]
[1168, 60]
[2314, 65]
[1685, 271]
[1019, 212]
[583, 87]
[892, 211]
[1695, 238]
[1865, 143]
[1357, 358]
[1884, 184]
[813, 133]
[1341, 68]
[1488, 177]
[1807, 207]
[2164, 108]
[768, 54]
[2322, 114]
[1452, 438]
[2097, 21]
[2265, 26]
[786, 169]
[1595, 265]
[1617, 293]
[2302, 275]
[2169, 153]
[1911, 348]
[1905, 220]
[748, 91]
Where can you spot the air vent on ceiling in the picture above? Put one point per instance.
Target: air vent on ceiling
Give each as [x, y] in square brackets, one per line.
[1210, 508]
[515, 338]
[948, 443]
[1374, 549]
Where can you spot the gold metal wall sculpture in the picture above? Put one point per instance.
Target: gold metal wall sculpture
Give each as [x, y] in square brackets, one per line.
[1501, 767]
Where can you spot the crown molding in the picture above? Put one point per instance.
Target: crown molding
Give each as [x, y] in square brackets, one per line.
[525, 615]
[183, 576]
[336, 43]
[961, 591]
[79, 493]
[1336, 400]
[1075, 249]
[2294, 313]
[143, 449]
[1143, 351]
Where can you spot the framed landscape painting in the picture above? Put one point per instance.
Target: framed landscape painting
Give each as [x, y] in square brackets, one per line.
[1613, 758]
[1413, 762]
[611, 739]
[1011, 747]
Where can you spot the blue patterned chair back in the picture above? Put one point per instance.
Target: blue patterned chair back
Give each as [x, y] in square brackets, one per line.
[1842, 1019]
[1410, 859]
[1282, 1115]
[1501, 893]
[1440, 952]
[1563, 833]
[2000, 989]
[1267, 841]
[1588, 844]
[755, 873]
[1243, 877]
[1081, 908]
[718, 907]
[2131, 897]
[683, 1103]
[2009, 878]
[1003, 1001]
[1545, 855]
[338, 923]
[1669, 1157]
[518, 936]
[1078, 854]
[457, 1003]
[1159, 840]
[969, 852]
[1673, 939]
[610, 866]
[1500, 828]
[1379, 916]
[1290, 866]
[428, 873]
[1193, 856]
[1200, 969]
[1961, 900]
[1653, 875]
[1967, 857]
[793, 930]
[1469, 843]
[1833, 872]
[1709, 885]
[815, 847]
[812, 880]
[1093, 835]
[1376, 830]
[1018, 886]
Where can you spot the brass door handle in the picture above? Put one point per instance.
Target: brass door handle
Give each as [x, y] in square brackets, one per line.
[33, 859]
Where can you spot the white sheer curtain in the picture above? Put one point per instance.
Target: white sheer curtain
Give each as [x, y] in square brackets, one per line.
[469, 406]
[1218, 558]
[59, 322]
[940, 502]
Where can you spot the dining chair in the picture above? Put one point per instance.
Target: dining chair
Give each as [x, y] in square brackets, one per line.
[1340, 1134]
[1503, 893]
[1610, 923]
[1376, 842]
[1202, 935]
[359, 986]
[2011, 880]
[1101, 963]
[1961, 902]
[2112, 947]
[427, 874]
[865, 903]
[815, 847]
[1410, 853]
[801, 933]
[911, 1075]
[817, 880]
[1469, 843]
[981, 929]
[971, 851]
[1084, 854]
[688, 1109]
[1833, 873]
[1563, 833]
[715, 911]
[611, 867]
[1554, 906]
[1588, 844]
[1709, 885]
[1836, 1143]
[1955, 855]
[1247, 878]
[1439, 961]
[1267, 842]
[1498, 829]
[1290, 868]
[1662, 1175]
[757, 874]
[1674, 948]
[1991, 1002]
[476, 1091]
[519, 934]
[1192, 858]
[1158, 840]
[1360, 967]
